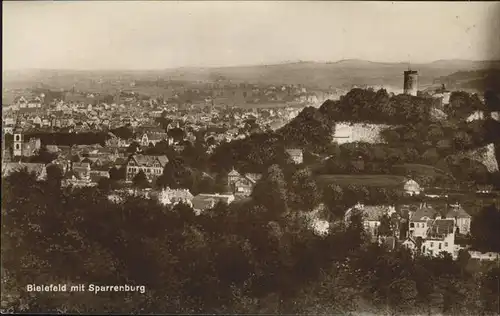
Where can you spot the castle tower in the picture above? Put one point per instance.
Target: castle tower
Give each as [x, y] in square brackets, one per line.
[410, 82]
[18, 141]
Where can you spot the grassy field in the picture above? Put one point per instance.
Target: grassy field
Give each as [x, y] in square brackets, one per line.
[424, 174]
[422, 169]
[365, 180]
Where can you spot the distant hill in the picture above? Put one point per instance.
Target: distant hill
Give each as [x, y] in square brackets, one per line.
[473, 80]
[344, 73]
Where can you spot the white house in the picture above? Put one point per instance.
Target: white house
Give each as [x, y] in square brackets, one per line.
[296, 155]
[461, 217]
[420, 222]
[440, 238]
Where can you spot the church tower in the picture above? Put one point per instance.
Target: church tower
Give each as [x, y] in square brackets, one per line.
[18, 141]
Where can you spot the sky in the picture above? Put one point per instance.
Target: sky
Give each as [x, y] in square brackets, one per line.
[159, 35]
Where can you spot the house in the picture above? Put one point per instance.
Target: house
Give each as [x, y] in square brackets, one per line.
[98, 174]
[81, 170]
[203, 201]
[461, 217]
[420, 221]
[152, 138]
[169, 196]
[242, 184]
[152, 166]
[411, 244]
[371, 215]
[440, 237]
[296, 155]
[38, 168]
[117, 142]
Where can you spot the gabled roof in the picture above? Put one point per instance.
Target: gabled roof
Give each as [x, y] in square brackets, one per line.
[148, 161]
[253, 177]
[423, 212]
[458, 212]
[234, 173]
[441, 227]
[83, 165]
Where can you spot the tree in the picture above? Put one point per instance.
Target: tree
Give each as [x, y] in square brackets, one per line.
[355, 234]
[463, 259]
[333, 198]
[117, 174]
[176, 175]
[385, 228]
[489, 290]
[54, 175]
[104, 184]
[177, 134]
[44, 156]
[271, 192]
[75, 158]
[484, 229]
[133, 147]
[140, 181]
[221, 184]
[303, 190]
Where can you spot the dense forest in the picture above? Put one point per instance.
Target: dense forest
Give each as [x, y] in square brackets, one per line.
[255, 256]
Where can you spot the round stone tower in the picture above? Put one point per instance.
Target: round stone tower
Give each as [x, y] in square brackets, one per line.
[410, 82]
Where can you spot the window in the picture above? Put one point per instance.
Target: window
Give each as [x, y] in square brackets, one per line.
[412, 225]
[18, 137]
[432, 244]
[439, 245]
[18, 146]
[446, 244]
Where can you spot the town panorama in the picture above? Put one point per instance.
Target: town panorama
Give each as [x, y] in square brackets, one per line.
[345, 187]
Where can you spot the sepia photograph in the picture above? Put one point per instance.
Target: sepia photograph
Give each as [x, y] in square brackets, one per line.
[250, 158]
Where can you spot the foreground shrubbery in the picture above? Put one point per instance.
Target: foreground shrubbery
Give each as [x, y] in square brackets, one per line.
[246, 258]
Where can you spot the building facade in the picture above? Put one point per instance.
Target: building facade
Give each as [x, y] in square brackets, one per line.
[152, 166]
[242, 184]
